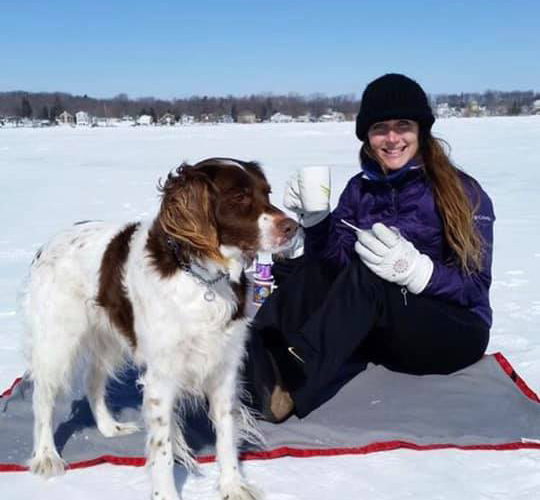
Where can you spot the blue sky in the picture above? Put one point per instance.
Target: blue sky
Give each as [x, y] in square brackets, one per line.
[200, 47]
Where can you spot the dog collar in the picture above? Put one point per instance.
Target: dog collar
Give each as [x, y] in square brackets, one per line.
[209, 294]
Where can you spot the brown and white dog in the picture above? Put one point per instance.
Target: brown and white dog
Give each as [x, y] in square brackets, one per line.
[168, 294]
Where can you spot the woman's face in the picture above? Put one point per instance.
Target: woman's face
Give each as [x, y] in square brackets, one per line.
[394, 142]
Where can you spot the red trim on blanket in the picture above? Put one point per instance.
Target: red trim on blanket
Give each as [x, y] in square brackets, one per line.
[7, 392]
[507, 367]
[287, 451]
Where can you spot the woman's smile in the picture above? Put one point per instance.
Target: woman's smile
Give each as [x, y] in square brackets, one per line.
[394, 142]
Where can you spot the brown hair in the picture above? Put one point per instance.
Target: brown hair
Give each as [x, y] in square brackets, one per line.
[457, 210]
[187, 212]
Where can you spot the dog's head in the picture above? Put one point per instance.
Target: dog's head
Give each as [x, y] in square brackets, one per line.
[221, 202]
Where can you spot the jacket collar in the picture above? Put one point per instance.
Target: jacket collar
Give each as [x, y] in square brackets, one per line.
[372, 171]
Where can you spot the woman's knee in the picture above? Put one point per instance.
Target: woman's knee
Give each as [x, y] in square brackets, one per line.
[480, 343]
[469, 350]
[436, 353]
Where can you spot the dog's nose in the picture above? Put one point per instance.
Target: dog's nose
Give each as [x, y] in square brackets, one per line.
[287, 227]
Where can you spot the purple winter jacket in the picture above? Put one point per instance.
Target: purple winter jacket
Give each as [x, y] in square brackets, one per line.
[408, 203]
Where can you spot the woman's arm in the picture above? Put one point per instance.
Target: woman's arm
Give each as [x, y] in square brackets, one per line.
[450, 282]
[330, 239]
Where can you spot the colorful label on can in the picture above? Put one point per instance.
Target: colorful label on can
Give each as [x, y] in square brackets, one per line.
[261, 290]
[264, 271]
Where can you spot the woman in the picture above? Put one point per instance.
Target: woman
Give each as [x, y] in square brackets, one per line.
[408, 290]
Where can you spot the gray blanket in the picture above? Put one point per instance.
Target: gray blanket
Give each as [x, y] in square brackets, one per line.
[485, 406]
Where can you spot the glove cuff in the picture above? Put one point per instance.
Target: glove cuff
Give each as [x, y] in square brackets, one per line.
[309, 219]
[421, 275]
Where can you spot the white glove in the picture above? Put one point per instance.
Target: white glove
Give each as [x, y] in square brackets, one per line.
[394, 258]
[292, 200]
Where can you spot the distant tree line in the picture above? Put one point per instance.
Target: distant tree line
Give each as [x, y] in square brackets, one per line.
[44, 105]
[47, 106]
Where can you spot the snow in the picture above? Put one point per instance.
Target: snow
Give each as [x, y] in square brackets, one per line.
[51, 178]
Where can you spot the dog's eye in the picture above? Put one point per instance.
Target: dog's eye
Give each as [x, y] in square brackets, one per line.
[240, 197]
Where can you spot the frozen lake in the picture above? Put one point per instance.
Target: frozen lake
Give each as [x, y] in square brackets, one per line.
[51, 178]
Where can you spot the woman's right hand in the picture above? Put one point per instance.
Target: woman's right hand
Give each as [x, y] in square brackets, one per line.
[292, 200]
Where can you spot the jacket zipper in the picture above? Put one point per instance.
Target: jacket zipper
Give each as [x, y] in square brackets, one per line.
[404, 293]
[393, 197]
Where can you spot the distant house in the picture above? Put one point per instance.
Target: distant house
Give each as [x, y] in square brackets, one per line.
[102, 122]
[443, 110]
[332, 116]
[536, 107]
[246, 117]
[127, 121]
[145, 120]
[305, 118]
[281, 118]
[65, 118]
[82, 118]
[11, 121]
[208, 118]
[226, 119]
[474, 109]
[167, 119]
[187, 120]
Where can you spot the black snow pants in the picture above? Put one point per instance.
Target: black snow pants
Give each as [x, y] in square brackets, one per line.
[322, 328]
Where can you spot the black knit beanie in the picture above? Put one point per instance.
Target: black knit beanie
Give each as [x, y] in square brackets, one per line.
[391, 97]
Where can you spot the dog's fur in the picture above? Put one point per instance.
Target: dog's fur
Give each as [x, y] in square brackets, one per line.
[110, 292]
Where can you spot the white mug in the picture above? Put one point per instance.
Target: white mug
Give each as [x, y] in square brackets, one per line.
[314, 184]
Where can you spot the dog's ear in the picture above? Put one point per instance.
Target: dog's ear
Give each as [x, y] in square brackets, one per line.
[187, 211]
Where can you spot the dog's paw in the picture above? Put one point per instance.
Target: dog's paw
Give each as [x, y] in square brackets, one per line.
[240, 491]
[47, 464]
[114, 428]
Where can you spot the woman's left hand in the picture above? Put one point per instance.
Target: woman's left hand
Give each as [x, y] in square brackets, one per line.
[394, 258]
